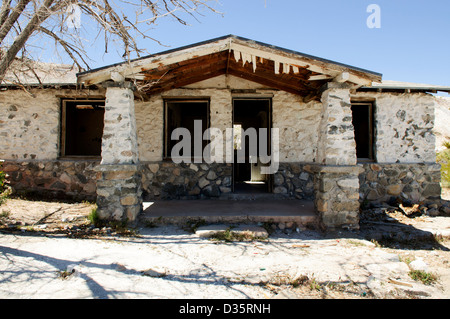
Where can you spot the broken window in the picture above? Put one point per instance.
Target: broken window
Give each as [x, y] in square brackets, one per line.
[82, 127]
[363, 113]
[192, 115]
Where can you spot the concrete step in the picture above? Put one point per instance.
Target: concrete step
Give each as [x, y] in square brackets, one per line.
[300, 213]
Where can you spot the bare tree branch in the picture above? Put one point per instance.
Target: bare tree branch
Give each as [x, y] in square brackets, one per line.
[11, 18]
[70, 50]
[41, 14]
[4, 11]
[23, 20]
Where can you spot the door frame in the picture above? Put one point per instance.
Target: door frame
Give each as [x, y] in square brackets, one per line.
[270, 111]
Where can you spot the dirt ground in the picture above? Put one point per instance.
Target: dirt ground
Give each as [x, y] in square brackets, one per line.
[445, 194]
[290, 264]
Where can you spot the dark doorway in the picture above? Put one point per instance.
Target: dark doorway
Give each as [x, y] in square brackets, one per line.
[362, 114]
[249, 115]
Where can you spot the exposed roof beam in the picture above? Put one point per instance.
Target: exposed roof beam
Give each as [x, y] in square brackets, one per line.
[250, 49]
[117, 77]
[310, 97]
[319, 77]
[182, 81]
[266, 81]
[342, 77]
[153, 62]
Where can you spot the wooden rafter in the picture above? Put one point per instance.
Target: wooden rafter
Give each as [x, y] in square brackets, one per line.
[186, 72]
[282, 74]
[282, 67]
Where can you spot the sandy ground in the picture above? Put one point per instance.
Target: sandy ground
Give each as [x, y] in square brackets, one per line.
[445, 194]
[51, 252]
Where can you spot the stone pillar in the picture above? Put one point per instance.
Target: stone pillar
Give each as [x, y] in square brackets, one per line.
[119, 194]
[336, 178]
[337, 144]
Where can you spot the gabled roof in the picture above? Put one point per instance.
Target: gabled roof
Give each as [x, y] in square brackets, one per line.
[269, 65]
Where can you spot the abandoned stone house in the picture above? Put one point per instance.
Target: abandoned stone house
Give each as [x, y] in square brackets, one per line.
[344, 136]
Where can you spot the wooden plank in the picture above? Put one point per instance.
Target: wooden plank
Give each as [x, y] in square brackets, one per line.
[189, 65]
[191, 62]
[182, 81]
[269, 65]
[310, 97]
[277, 57]
[190, 72]
[315, 65]
[342, 77]
[289, 81]
[319, 77]
[266, 81]
[137, 66]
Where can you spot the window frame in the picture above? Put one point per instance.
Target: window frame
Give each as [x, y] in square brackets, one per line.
[63, 126]
[166, 135]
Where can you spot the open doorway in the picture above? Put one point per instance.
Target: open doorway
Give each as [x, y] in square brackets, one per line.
[249, 116]
[363, 123]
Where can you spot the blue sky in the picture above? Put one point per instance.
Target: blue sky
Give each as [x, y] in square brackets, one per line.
[412, 44]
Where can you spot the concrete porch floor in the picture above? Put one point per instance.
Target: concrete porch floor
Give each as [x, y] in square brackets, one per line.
[302, 213]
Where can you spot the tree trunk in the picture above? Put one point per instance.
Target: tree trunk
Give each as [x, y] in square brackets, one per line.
[41, 15]
[9, 20]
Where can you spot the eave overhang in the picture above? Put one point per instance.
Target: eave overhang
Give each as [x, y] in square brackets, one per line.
[271, 66]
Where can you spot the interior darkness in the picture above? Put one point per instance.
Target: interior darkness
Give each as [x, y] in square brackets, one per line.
[83, 128]
[256, 114]
[183, 115]
[362, 122]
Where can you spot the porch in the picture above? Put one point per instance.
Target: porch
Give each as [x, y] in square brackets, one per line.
[288, 213]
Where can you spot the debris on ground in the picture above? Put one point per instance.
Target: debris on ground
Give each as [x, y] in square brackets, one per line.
[410, 211]
[387, 258]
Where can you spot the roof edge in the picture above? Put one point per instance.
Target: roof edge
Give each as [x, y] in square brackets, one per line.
[231, 36]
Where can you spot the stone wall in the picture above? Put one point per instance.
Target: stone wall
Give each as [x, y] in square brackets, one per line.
[403, 127]
[29, 126]
[30, 122]
[294, 180]
[167, 180]
[53, 179]
[119, 192]
[412, 182]
[298, 125]
[297, 121]
[337, 200]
